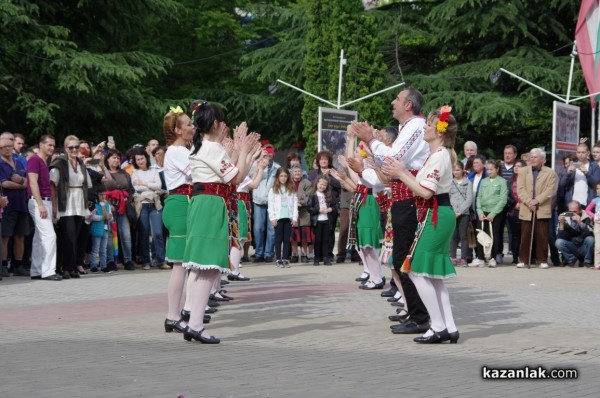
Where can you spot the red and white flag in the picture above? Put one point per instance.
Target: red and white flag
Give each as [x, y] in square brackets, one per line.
[587, 35]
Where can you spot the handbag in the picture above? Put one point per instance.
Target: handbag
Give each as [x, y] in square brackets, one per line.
[471, 236]
[130, 212]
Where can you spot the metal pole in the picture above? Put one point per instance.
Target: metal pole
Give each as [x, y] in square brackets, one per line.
[306, 92]
[371, 95]
[342, 63]
[584, 97]
[534, 85]
[594, 124]
[573, 54]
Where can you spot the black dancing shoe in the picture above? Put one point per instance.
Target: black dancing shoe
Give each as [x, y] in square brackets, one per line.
[185, 315]
[238, 277]
[389, 293]
[361, 279]
[435, 338]
[375, 286]
[190, 334]
[173, 326]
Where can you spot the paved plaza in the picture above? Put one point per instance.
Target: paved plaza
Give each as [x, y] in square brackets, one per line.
[300, 332]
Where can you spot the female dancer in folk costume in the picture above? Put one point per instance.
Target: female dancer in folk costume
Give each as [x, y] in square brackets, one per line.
[245, 215]
[208, 225]
[365, 228]
[179, 131]
[429, 263]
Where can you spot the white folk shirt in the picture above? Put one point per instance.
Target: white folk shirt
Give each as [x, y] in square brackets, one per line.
[408, 146]
[436, 173]
[176, 169]
[212, 164]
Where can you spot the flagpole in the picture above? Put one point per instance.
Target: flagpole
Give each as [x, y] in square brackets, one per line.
[573, 54]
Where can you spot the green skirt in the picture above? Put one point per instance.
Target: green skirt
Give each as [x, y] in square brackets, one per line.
[174, 217]
[430, 257]
[207, 245]
[368, 227]
[242, 221]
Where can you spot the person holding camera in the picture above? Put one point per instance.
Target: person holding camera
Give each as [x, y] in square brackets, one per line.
[573, 184]
[575, 235]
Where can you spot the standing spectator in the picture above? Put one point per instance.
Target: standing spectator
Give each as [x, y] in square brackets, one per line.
[510, 155]
[99, 231]
[260, 195]
[283, 214]
[150, 147]
[470, 149]
[461, 197]
[3, 203]
[593, 211]
[322, 209]
[573, 184]
[325, 164]
[43, 255]
[536, 185]
[302, 234]
[514, 203]
[17, 157]
[15, 220]
[491, 200]
[19, 144]
[120, 183]
[70, 181]
[148, 188]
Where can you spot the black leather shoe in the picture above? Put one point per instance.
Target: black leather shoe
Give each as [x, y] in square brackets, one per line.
[327, 261]
[20, 271]
[340, 259]
[210, 310]
[393, 299]
[435, 338]
[224, 282]
[377, 286]
[258, 260]
[215, 298]
[268, 259]
[397, 304]
[185, 315]
[237, 277]
[74, 274]
[173, 326]
[53, 277]
[453, 337]
[206, 319]
[389, 293]
[222, 293]
[66, 275]
[213, 303]
[366, 278]
[190, 334]
[245, 260]
[398, 318]
[129, 266]
[410, 327]
[37, 277]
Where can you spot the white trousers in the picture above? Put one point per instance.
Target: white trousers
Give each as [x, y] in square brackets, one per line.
[43, 251]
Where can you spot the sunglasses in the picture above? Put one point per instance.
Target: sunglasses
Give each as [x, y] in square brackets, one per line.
[73, 148]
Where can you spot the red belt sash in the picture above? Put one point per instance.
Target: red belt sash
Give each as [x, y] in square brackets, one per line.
[184, 189]
[400, 191]
[213, 188]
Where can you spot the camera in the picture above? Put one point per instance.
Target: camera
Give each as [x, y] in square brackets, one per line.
[568, 214]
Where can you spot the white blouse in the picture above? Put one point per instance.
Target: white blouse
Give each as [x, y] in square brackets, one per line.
[436, 173]
[212, 164]
[76, 205]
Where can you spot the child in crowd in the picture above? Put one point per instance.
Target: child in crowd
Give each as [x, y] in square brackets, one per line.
[461, 197]
[302, 234]
[99, 231]
[491, 200]
[322, 211]
[283, 214]
[593, 210]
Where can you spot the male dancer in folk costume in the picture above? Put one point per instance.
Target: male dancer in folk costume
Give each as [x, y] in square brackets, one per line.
[410, 147]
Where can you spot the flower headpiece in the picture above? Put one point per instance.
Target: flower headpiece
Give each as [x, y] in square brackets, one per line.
[361, 150]
[442, 124]
[176, 110]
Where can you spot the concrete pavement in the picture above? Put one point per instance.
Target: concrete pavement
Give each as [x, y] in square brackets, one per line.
[299, 332]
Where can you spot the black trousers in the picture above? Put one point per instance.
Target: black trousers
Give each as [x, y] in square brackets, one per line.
[283, 231]
[70, 229]
[323, 243]
[404, 224]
